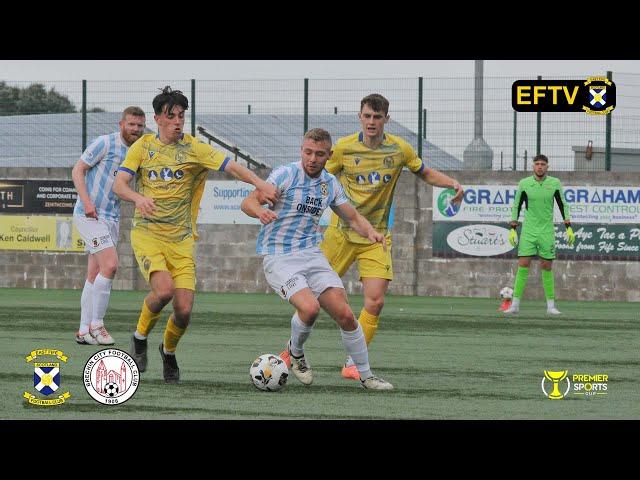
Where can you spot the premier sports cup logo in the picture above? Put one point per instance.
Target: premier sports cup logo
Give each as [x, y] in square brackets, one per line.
[111, 376]
[556, 384]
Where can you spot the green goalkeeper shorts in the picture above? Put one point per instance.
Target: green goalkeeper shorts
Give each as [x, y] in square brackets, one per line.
[541, 244]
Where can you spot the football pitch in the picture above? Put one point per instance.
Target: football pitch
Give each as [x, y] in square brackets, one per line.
[448, 358]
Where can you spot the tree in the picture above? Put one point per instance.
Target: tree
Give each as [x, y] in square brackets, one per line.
[31, 100]
[8, 99]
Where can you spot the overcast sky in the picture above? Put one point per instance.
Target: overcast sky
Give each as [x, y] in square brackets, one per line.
[284, 69]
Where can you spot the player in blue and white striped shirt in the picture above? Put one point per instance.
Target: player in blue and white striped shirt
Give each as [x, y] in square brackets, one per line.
[293, 264]
[97, 216]
[304, 198]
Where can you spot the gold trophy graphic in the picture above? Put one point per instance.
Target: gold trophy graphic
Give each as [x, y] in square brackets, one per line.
[556, 378]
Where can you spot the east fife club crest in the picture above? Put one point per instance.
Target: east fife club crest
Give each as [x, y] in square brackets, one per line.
[601, 91]
[46, 378]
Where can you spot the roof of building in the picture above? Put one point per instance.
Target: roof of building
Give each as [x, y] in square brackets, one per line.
[55, 140]
[275, 139]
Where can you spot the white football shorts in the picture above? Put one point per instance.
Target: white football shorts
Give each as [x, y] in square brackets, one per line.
[289, 273]
[97, 234]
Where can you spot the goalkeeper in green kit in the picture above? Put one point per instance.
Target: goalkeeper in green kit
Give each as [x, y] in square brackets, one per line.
[537, 193]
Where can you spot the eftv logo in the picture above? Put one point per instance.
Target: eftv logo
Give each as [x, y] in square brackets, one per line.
[594, 96]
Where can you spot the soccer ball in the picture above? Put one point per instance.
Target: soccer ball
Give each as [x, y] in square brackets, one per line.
[269, 372]
[111, 389]
[506, 293]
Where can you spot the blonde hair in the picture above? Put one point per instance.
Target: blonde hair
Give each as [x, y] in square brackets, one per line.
[318, 135]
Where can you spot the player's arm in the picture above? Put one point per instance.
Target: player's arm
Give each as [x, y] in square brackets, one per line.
[521, 199]
[360, 224]
[562, 205]
[123, 190]
[429, 175]
[564, 211]
[439, 179]
[126, 172]
[78, 173]
[93, 155]
[251, 206]
[267, 191]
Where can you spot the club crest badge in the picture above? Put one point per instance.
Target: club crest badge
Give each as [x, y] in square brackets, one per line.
[46, 378]
[111, 376]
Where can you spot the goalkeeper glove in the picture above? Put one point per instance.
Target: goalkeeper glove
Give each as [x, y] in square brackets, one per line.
[570, 236]
[513, 237]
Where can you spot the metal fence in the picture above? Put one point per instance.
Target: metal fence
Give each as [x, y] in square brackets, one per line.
[266, 118]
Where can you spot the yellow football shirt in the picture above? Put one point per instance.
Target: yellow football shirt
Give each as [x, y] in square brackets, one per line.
[173, 176]
[369, 177]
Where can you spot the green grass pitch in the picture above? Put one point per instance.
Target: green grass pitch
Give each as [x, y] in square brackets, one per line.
[449, 358]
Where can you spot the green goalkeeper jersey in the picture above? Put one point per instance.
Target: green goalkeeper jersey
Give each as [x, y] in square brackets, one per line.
[538, 198]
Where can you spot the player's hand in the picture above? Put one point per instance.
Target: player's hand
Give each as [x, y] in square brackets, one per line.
[267, 216]
[260, 197]
[267, 193]
[457, 199]
[146, 206]
[571, 236]
[90, 211]
[513, 237]
[377, 237]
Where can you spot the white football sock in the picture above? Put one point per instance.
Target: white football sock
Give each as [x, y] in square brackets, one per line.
[515, 303]
[101, 294]
[356, 347]
[551, 304]
[86, 307]
[299, 334]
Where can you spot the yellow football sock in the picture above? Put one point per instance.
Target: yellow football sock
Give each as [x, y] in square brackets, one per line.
[147, 320]
[369, 325]
[172, 335]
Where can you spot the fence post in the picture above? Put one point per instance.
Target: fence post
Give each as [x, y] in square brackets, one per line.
[538, 128]
[306, 105]
[515, 138]
[424, 123]
[193, 107]
[84, 115]
[420, 117]
[607, 135]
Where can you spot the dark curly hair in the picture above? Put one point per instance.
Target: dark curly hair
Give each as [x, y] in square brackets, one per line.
[168, 99]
